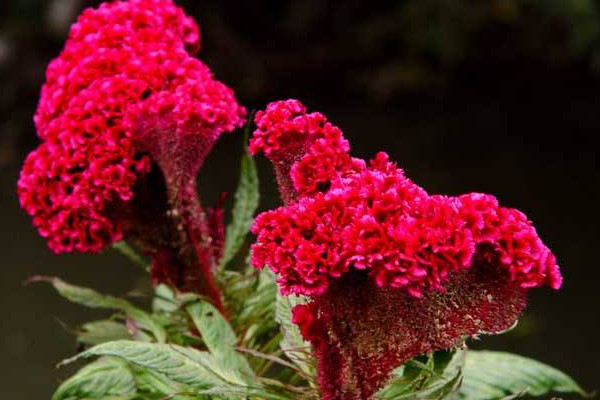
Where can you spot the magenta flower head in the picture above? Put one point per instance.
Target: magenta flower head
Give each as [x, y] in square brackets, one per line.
[390, 271]
[126, 117]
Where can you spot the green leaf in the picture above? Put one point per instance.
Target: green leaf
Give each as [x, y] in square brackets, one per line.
[437, 389]
[259, 295]
[245, 204]
[218, 336]
[255, 314]
[197, 369]
[129, 252]
[251, 296]
[106, 377]
[157, 385]
[490, 375]
[102, 331]
[293, 344]
[164, 299]
[90, 298]
[430, 377]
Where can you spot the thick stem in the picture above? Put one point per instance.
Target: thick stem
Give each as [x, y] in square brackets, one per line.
[361, 332]
[284, 182]
[197, 247]
[174, 227]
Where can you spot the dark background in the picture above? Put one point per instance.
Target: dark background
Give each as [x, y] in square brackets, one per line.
[491, 96]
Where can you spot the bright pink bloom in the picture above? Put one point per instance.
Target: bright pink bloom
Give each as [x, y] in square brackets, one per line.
[133, 38]
[353, 231]
[306, 150]
[378, 221]
[121, 61]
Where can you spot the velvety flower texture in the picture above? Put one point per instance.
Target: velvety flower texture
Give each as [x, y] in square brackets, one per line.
[306, 150]
[391, 271]
[122, 60]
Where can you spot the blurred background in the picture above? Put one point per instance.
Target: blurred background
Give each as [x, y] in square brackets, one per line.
[497, 96]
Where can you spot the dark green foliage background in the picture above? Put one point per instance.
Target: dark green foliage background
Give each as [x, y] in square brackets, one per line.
[498, 96]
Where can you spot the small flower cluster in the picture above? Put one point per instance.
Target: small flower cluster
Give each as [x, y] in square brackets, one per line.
[353, 216]
[303, 147]
[123, 60]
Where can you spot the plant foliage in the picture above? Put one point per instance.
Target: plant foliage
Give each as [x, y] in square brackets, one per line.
[186, 349]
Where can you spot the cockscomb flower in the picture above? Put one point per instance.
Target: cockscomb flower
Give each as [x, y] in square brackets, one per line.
[305, 149]
[390, 271]
[125, 96]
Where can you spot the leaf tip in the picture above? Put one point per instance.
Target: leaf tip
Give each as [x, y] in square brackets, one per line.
[38, 278]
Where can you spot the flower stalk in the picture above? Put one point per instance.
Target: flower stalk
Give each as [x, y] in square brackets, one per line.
[126, 117]
[391, 272]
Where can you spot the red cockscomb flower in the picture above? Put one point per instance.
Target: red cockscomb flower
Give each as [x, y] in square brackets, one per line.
[123, 95]
[306, 150]
[391, 271]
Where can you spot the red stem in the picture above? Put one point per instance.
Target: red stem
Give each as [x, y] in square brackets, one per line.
[196, 244]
